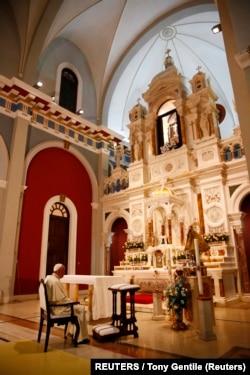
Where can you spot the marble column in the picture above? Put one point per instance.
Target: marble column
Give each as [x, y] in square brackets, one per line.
[242, 260]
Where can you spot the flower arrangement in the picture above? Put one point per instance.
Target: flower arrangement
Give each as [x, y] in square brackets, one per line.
[215, 237]
[176, 294]
[133, 245]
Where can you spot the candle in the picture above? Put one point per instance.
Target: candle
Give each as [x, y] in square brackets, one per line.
[198, 271]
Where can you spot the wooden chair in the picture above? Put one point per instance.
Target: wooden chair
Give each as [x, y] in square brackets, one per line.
[51, 319]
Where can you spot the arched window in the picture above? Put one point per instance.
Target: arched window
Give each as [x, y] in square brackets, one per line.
[58, 209]
[237, 151]
[68, 90]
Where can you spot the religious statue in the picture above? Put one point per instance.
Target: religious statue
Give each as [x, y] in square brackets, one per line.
[204, 125]
[136, 150]
[168, 60]
[119, 151]
[191, 236]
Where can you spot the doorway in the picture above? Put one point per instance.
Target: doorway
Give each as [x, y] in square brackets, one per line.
[58, 237]
[245, 207]
[118, 239]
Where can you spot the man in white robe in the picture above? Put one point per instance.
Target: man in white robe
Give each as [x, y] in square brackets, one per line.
[57, 294]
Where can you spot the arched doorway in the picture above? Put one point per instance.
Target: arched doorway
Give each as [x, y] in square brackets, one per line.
[245, 207]
[58, 236]
[118, 239]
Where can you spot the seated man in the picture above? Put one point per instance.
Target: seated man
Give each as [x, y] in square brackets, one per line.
[57, 294]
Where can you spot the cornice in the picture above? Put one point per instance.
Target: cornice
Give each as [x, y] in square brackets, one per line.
[19, 99]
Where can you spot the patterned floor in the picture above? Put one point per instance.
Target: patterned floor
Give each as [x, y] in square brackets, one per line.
[156, 338]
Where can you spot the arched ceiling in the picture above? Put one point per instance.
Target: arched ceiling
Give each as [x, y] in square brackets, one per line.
[125, 43]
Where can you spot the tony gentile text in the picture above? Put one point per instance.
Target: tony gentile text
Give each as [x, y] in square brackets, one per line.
[167, 366]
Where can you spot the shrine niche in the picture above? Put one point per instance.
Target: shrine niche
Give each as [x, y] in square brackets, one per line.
[168, 132]
[158, 259]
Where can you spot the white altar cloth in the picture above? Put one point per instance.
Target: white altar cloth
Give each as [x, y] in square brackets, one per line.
[102, 296]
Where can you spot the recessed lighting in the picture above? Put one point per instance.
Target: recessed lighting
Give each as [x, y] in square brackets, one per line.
[38, 84]
[80, 111]
[216, 29]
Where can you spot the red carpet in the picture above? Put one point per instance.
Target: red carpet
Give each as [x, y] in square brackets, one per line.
[144, 299]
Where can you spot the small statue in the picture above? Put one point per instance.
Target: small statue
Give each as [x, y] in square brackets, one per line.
[191, 236]
[119, 152]
[136, 150]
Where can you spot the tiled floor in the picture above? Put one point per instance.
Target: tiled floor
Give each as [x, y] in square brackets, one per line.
[156, 339]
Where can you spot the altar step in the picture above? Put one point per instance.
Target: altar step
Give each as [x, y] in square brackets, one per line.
[220, 262]
[147, 308]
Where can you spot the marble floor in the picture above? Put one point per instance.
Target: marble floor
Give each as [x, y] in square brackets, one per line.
[19, 320]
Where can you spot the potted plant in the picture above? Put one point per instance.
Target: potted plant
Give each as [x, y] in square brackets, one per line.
[176, 295]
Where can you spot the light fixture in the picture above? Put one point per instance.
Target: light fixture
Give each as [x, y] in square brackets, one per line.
[38, 84]
[80, 111]
[216, 29]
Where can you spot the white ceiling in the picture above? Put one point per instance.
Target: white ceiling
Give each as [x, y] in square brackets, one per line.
[125, 42]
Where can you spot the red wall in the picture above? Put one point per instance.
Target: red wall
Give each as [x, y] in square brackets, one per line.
[52, 172]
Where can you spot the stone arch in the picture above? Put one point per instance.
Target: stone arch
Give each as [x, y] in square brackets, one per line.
[112, 217]
[238, 195]
[73, 151]
[73, 225]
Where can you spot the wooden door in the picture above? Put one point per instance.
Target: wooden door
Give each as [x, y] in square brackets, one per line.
[245, 207]
[57, 242]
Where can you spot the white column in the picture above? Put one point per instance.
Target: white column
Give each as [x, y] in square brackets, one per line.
[10, 209]
[198, 263]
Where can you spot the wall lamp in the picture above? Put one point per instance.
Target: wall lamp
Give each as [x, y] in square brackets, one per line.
[38, 85]
[216, 29]
[80, 111]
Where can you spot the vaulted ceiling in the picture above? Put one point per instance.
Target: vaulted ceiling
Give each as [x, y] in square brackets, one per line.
[125, 44]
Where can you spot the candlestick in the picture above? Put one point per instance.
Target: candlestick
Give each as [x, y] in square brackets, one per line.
[198, 270]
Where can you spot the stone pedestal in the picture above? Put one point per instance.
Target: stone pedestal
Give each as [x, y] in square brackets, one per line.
[192, 313]
[206, 319]
[157, 306]
[225, 285]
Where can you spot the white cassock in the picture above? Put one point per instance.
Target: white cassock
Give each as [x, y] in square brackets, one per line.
[57, 294]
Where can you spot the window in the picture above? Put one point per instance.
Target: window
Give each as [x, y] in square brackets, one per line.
[68, 90]
[59, 209]
[237, 151]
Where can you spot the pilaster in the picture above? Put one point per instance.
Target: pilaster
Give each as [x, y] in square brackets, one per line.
[11, 208]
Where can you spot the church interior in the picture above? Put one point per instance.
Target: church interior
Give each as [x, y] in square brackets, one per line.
[124, 155]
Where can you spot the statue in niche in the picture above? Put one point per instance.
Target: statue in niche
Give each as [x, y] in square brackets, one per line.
[204, 125]
[148, 144]
[119, 151]
[158, 259]
[168, 131]
[136, 151]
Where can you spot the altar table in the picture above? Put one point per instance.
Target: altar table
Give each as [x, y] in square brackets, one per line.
[99, 296]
